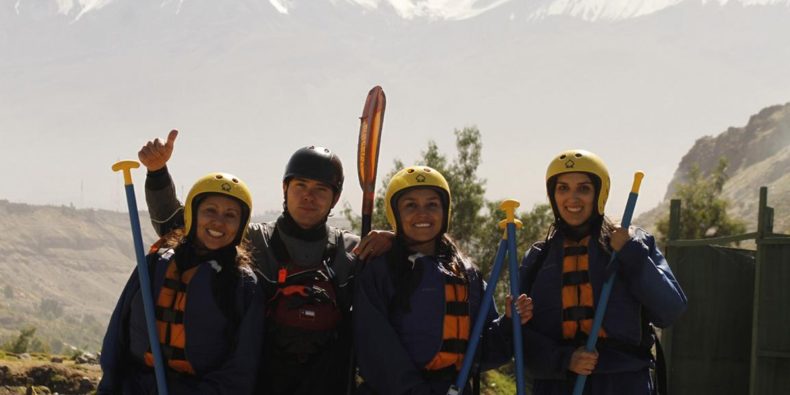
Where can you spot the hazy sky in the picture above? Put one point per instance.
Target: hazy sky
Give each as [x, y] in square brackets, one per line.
[86, 82]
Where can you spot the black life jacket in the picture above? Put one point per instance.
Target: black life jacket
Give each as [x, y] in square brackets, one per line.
[303, 307]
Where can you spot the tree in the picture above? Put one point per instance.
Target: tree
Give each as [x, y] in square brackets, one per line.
[466, 189]
[22, 342]
[703, 210]
[474, 219]
[535, 224]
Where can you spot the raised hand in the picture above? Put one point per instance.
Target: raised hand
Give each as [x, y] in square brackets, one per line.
[155, 154]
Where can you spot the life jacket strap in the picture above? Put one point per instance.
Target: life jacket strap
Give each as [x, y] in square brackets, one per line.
[457, 308]
[455, 346]
[575, 278]
[575, 250]
[577, 313]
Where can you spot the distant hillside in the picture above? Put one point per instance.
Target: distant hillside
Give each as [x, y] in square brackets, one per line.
[62, 270]
[758, 155]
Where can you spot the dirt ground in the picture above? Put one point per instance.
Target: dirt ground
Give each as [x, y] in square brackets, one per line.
[35, 376]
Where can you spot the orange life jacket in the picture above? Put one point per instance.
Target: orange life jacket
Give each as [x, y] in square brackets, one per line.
[455, 334]
[170, 318]
[578, 307]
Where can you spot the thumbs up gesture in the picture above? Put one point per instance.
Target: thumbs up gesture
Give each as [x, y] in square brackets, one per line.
[155, 154]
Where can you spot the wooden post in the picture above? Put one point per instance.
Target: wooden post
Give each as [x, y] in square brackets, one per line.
[674, 219]
[762, 231]
[674, 234]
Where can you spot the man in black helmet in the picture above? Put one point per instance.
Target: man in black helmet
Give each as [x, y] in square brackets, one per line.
[306, 266]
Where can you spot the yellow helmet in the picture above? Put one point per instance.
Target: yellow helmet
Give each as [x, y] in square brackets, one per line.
[223, 184]
[416, 177]
[577, 160]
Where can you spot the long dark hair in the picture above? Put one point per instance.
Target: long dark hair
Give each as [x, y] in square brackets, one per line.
[176, 239]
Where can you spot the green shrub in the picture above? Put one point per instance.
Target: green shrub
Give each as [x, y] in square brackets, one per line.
[22, 342]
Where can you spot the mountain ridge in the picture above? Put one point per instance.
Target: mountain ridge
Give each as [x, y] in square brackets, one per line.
[588, 10]
[758, 154]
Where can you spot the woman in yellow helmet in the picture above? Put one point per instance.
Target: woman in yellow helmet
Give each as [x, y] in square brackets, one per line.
[209, 307]
[564, 275]
[414, 307]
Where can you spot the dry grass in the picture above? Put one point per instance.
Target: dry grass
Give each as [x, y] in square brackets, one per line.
[45, 376]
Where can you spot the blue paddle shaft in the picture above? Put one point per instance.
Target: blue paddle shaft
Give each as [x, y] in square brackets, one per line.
[600, 308]
[145, 289]
[474, 337]
[516, 318]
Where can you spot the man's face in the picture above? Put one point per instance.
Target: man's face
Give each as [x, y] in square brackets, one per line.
[308, 201]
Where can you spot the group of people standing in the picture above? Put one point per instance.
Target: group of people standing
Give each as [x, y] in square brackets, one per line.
[295, 306]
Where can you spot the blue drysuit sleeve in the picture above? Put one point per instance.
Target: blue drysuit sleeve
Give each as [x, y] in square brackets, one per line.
[163, 206]
[651, 280]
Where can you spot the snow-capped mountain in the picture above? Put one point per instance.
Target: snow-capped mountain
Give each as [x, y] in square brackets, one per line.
[613, 10]
[589, 10]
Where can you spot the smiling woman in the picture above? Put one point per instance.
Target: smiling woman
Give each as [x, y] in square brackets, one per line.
[565, 274]
[413, 308]
[209, 306]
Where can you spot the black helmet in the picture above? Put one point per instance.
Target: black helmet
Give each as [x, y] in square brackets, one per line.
[316, 163]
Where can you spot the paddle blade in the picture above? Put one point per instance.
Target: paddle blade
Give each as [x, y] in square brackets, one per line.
[371, 122]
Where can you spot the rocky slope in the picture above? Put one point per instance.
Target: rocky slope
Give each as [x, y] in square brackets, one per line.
[62, 270]
[758, 155]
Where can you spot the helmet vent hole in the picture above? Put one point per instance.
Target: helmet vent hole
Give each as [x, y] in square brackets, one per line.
[427, 170]
[563, 156]
[218, 176]
[236, 181]
[410, 171]
[578, 155]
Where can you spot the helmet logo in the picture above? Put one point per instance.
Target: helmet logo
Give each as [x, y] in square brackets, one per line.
[569, 164]
[225, 187]
[420, 178]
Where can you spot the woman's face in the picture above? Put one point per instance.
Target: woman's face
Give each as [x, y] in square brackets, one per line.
[574, 196]
[218, 221]
[421, 217]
